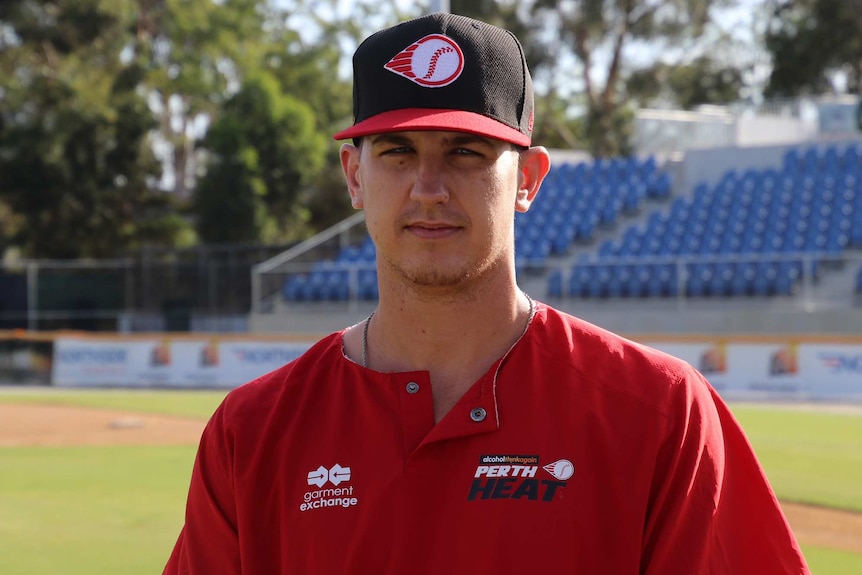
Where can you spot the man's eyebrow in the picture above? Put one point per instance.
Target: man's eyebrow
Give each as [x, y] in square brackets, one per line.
[392, 139]
[466, 138]
[458, 139]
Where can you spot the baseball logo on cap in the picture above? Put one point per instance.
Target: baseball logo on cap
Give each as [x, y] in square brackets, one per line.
[434, 61]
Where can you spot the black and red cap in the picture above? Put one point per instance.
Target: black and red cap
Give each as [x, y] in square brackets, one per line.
[442, 72]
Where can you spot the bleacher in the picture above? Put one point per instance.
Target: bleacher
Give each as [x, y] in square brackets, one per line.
[577, 199]
[754, 233]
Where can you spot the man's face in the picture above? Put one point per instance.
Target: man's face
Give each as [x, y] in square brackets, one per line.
[438, 205]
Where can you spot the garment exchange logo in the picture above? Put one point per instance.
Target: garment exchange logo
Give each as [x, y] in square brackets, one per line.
[515, 477]
[335, 496]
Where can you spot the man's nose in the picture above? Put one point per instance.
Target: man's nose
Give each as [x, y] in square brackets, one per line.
[430, 183]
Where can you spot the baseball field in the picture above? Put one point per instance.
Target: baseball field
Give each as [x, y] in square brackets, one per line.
[95, 481]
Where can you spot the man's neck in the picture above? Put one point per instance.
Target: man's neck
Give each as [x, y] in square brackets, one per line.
[455, 340]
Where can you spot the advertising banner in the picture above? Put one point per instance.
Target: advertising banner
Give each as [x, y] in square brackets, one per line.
[781, 369]
[836, 370]
[85, 362]
[166, 362]
[784, 369]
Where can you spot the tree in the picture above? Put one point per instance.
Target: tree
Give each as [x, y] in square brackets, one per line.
[194, 53]
[306, 67]
[265, 151]
[75, 164]
[812, 42]
[702, 81]
[598, 32]
[582, 52]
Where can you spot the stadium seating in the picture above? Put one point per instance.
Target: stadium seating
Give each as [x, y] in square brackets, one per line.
[805, 212]
[578, 199]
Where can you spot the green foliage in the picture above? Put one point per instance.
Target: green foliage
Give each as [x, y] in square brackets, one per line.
[595, 34]
[702, 81]
[194, 53]
[90, 90]
[75, 159]
[810, 41]
[264, 151]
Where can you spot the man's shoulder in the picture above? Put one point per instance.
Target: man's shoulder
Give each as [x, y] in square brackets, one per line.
[608, 362]
[585, 342]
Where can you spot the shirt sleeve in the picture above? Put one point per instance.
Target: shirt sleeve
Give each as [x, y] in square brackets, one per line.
[208, 543]
[712, 510]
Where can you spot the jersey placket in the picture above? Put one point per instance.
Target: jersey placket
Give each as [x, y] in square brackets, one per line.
[473, 414]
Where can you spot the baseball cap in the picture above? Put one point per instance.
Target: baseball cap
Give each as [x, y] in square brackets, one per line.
[442, 72]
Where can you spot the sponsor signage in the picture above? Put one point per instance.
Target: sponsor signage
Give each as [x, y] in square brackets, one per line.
[166, 362]
[781, 369]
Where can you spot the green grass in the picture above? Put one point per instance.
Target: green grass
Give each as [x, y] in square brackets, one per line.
[86, 510]
[195, 403]
[809, 456]
[824, 561]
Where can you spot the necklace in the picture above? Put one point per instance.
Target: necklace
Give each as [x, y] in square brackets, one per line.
[368, 322]
[365, 340]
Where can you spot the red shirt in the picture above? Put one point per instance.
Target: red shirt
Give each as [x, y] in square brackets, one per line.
[579, 452]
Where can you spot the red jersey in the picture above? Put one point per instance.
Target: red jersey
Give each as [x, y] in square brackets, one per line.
[579, 452]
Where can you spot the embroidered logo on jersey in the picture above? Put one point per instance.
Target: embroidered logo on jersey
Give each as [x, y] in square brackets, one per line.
[517, 477]
[434, 61]
[561, 469]
[335, 475]
[334, 496]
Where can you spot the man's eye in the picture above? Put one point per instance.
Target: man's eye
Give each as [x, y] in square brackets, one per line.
[398, 150]
[466, 152]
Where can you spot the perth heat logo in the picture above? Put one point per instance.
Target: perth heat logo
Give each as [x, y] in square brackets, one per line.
[334, 496]
[434, 61]
[516, 477]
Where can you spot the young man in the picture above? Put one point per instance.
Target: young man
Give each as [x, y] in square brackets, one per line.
[464, 427]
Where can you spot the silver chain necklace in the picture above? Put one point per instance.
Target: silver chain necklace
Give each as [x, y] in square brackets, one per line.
[368, 322]
[365, 340]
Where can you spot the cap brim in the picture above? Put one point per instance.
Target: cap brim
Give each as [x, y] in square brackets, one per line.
[432, 119]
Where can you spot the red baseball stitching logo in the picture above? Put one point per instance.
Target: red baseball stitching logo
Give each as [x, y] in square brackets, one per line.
[433, 61]
[434, 58]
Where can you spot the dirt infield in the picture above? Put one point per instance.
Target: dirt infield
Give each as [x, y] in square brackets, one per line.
[56, 425]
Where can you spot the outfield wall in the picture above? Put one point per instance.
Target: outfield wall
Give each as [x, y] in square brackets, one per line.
[800, 367]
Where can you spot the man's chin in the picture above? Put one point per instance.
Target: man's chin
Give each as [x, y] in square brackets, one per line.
[436, 278]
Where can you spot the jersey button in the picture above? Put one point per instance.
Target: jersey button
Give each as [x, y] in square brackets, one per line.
[478, 414]
[412, 387]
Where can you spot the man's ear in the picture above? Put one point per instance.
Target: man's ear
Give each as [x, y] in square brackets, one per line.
[350, 165]
[533, 166]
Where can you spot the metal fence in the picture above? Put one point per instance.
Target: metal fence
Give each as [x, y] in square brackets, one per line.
[207, 288]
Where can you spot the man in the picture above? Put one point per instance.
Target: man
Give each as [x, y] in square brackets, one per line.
[464, 427]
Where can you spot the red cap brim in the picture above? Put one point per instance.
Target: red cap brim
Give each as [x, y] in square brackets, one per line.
[432, 119]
